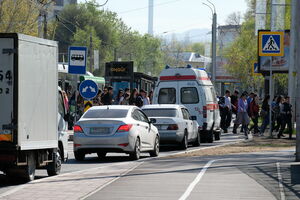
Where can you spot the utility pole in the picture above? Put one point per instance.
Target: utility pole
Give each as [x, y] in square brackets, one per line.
[45, 24]
[214, 47]
[40, 24]
[295, 37]
[91, 53]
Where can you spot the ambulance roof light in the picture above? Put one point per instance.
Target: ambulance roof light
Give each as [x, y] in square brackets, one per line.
[189, 66]
[167, 67]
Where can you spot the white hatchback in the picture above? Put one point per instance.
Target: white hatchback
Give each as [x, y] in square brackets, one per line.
[115, 128]
[174, 123]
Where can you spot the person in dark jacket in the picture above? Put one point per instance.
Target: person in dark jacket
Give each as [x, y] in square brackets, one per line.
[286, 117]
[265, 110]
[133, 96]
[108, 97]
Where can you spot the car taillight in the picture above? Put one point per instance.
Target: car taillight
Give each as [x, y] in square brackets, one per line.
[124, 128]
[204, 112]
[172, 127]
[77, 129]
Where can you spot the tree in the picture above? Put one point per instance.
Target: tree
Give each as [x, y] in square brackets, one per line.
[19, 16]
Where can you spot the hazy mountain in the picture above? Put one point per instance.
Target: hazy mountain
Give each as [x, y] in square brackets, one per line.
[193, 35]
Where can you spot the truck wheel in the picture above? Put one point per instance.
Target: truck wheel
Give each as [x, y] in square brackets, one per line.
[79, 156]
[54, 167]
[135, 155]
[27, 173]
[155, 151]
[184, 143]
[197, 141]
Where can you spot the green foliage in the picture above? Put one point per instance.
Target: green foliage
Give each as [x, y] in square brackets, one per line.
[242, 53]
[19, 16]
[114, 39]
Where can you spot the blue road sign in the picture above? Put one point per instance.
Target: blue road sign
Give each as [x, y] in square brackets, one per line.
[77, 60]
[271, 43]
[88, 89]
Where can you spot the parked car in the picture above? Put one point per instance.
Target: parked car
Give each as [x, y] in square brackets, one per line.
[192, 88]
[174, 123]
[115, 128]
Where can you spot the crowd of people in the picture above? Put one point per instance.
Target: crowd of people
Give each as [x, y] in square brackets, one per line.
[247, 107]
[74, 102]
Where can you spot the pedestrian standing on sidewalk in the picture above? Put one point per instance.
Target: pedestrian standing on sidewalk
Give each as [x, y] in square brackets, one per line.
[226, 114]
[242, 115]
[264, 113]
[145, 97]
[108, 97]
[119, 98]
[276, 118]
[133, 96]
[286, 117]
[254, 113]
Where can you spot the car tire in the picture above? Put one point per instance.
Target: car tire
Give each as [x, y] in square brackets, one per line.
[210, 136]
[184, 143]
[79, 156]
[54, 167]
[217, 135]
[135, 155]
[198, 140]
[101, 155]
[155, 151]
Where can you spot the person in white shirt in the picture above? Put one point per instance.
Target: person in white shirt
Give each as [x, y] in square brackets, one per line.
[146, 100]
[226, 115]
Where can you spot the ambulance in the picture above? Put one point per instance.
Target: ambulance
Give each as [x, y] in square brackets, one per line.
[192, 88]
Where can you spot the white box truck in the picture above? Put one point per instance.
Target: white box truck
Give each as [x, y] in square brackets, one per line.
[32, 129]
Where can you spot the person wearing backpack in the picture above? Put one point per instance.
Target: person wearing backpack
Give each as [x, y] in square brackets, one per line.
[286, 117]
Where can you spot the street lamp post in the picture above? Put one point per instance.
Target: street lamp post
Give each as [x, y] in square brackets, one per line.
[213, 40]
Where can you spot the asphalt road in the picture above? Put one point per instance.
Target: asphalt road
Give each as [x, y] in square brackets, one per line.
[92, 161]
[245, 176]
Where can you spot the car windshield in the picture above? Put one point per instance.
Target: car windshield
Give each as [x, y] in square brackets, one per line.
[160, 112]
[106, 113]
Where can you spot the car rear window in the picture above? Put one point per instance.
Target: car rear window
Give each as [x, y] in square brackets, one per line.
[167, 96]
[160, 112]
[106, 113]
[189, 95]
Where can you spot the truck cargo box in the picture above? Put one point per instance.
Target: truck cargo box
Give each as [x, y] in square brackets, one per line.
[28, 92]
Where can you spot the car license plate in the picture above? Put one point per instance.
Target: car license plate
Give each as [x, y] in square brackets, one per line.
[100, 130]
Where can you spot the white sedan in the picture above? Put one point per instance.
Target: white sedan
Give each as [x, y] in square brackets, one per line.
[115, 128]
[174, 123]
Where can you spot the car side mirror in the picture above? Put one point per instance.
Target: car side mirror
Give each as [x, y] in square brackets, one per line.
[152, 120]
[193, 118]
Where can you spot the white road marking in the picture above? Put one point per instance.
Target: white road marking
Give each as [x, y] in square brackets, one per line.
[110, 182]
[281, 189]
[196, 181]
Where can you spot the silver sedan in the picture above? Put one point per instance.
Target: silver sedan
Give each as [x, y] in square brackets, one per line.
[115, 128]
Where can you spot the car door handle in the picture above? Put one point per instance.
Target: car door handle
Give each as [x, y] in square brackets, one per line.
[138, 124]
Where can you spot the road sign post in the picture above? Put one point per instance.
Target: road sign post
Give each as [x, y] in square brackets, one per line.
[77, 60]
[270, 43]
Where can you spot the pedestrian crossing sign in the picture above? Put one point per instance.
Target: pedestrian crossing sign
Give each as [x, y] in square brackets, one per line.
[270, 43]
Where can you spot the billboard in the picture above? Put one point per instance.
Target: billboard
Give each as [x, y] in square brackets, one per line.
[280, 64]
[119, 69]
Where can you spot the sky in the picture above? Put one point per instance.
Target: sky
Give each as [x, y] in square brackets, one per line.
[172, 16]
